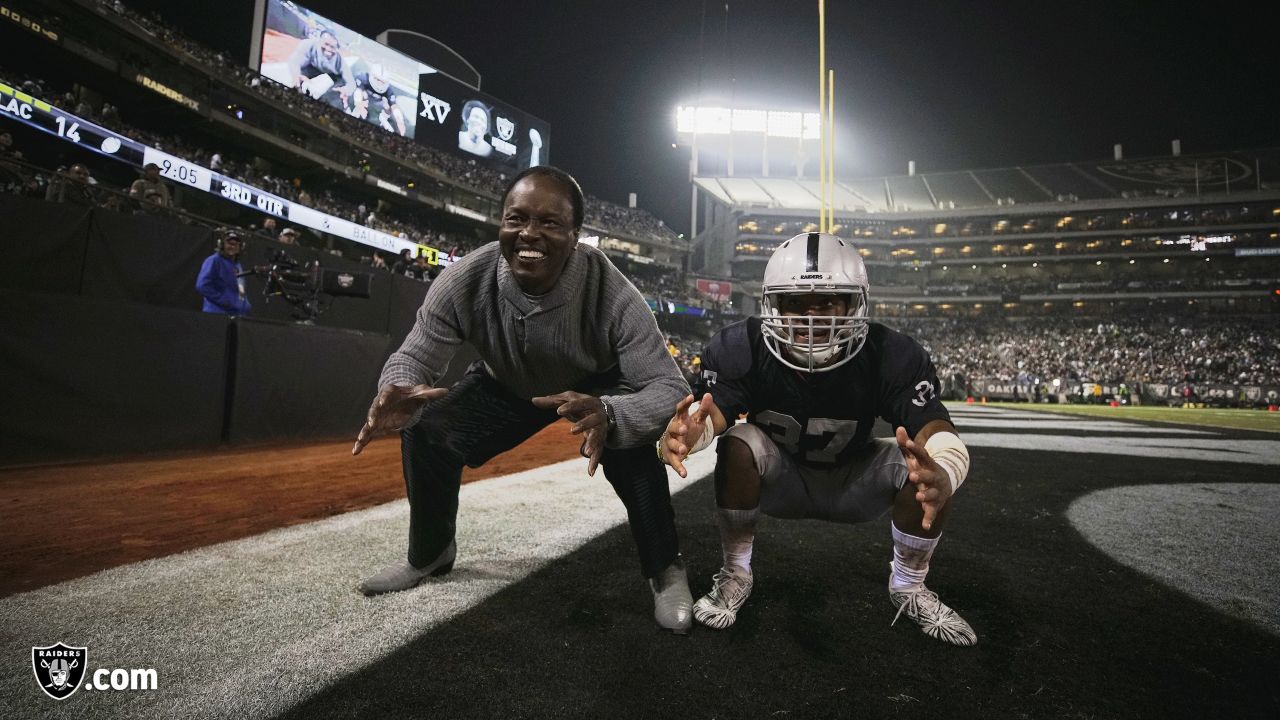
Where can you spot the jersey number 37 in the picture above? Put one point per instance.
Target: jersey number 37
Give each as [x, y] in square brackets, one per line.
[786, 431]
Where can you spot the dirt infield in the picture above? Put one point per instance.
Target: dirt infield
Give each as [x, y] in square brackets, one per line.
[68, 521]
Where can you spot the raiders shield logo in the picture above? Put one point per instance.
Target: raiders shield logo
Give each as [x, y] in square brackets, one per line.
[506, 128]
[59, 669]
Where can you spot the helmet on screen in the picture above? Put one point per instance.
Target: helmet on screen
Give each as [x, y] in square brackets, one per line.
[815, 264]
[378, 78]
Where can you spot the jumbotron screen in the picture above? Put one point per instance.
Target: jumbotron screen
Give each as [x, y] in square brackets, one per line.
[338, 66]
[452, 116]
[301, 49]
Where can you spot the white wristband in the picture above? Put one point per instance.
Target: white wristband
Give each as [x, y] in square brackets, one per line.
[708, 434]
[952, 456]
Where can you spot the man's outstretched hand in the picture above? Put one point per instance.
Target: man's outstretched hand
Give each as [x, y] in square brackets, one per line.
[933, 485]
[392, 409]
[589, 418]
[683, 431]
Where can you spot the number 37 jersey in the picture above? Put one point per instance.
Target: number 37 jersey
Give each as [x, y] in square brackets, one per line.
[822, 419]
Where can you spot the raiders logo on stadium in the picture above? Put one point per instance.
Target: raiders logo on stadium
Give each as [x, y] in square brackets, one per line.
[506, 128]
[59, 669]
[346, 280]
[1179, 172]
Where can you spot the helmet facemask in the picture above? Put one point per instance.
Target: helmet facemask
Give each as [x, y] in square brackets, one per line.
[815, 343]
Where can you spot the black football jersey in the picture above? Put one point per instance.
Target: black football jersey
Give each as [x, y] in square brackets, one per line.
[823, 418]
[381, 101]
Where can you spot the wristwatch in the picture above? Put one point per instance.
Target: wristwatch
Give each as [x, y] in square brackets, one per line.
[608, 413]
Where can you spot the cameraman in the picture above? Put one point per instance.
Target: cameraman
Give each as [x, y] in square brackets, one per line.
[219, 280]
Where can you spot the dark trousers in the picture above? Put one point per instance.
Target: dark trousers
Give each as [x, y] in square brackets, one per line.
[479, 419]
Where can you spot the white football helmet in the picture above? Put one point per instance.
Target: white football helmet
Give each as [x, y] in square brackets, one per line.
[378, 78]
[815, 263]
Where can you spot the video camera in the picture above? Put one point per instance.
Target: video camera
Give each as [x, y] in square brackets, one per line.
[302, 284]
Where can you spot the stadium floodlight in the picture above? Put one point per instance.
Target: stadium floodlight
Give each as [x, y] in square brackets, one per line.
[722, 133]
[786, 124]
[714, 120]
[750, 121]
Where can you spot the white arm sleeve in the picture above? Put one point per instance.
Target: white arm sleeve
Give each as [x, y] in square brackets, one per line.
[949, 452]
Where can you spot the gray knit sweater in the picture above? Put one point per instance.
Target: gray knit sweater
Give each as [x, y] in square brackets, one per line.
[592, 333]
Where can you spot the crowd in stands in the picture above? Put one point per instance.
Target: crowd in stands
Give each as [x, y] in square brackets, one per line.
[328, 198]
[631, 221]
[467, 171]
[1090, 282]
[1232, 350]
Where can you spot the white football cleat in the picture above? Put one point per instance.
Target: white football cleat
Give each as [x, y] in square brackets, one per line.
[936, 619]
[730, 588]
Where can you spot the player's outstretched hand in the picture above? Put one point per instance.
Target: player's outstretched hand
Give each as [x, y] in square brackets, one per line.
[933, 485]
[683, 432]
[589, 420]
[392, 409]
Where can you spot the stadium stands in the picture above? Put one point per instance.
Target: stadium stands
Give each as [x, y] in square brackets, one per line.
[1143, 349]
[1100, 238]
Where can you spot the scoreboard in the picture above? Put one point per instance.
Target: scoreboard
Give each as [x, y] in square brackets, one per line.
[34, 112]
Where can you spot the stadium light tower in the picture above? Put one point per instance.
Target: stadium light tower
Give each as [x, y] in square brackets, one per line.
[712, 130]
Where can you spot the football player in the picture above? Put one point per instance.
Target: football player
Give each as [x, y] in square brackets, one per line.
[812, 374]
[381, 95]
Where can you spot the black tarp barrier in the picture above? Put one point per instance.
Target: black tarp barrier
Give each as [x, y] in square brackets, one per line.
[85, 377]
[301, 381]
[145, 259]
[42, 246]
[406, 298]
[67, 249]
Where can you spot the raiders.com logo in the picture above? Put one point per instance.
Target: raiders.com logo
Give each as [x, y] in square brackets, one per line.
[59, 669]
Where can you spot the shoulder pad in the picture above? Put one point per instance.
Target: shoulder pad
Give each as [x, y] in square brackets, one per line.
[730, 353]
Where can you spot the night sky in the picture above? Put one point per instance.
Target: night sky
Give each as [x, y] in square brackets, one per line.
[957, 85]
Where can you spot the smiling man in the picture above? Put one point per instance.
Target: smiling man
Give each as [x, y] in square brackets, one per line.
[561, 333]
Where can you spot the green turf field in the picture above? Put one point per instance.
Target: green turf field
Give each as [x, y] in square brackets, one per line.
[1215, 417]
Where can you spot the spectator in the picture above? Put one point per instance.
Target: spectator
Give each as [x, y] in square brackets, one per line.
[74, 187]
[151, 190]
[289, 236]
[11, 172]
[420, 270]
[268, 229]
[403, 263]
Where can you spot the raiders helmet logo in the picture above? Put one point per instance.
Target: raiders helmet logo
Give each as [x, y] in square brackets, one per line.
[506, 128]
[59, 669]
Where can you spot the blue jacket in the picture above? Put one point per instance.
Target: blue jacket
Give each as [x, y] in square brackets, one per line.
[218, 284]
